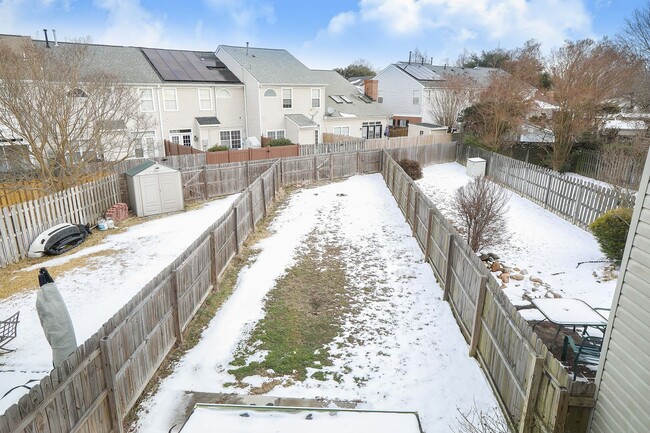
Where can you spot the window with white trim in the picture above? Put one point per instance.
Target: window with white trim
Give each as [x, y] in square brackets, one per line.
[342, 130]
[223, 93]
[181, 136]
[287, 98]
[270, 93]
[315, 98]
[316, 135]
[232, 139]
[146, 100]
[275, 134]
[416, 97]
[145, 145]
[380, 96]
[205, 99]
[170, 100]
[371, 130]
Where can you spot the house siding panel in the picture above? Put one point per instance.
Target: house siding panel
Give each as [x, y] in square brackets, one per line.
[623, 379]
[397, 89]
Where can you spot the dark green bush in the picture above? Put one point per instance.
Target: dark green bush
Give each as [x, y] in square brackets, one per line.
[412, 168]
[610, 230]
[218, 148]
[280, 142]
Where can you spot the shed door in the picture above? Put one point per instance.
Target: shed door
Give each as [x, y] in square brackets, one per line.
[171, 196]
[151, 200]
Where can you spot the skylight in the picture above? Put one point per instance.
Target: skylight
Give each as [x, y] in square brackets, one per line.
[336, 99]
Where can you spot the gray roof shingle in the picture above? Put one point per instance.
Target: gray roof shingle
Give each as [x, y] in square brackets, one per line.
[272, 66]
[338, 85]
[301, 120]
[207, 121]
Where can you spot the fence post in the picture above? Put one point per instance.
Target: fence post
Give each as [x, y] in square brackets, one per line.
[548, 189]
[109, 377]
[315, 168]
[205, 183]
[176, 317]
[415, 210]
[532, 389]
[408, 203]
[263, 196]
[331, 167]
[213, 259]
[252, 210]
[248, 175]
[427, 248]
[576, 212]
[476, 328]
[358, 162]
[236, 231]
[561, 411]
[449, 273]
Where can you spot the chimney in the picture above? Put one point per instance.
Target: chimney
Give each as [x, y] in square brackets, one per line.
[371, 89]
[410, 52]
[47, 42]
[56, 43]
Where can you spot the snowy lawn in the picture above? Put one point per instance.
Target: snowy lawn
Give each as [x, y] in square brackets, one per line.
[539, 243]
[115, 270]
[396, 347]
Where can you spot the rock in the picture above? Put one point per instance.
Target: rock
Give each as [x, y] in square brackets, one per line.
[496, 266]
[484, 257]
[516, 269]
[493, 256]
[503, 285]
[517, 277]
[524, 272]
[505, 277]
[536, 280]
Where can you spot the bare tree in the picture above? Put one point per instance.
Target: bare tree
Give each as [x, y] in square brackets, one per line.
[479, 421]
[635, 34]
[585, 75]
[446, 102]
[67, 112]
[481, 206]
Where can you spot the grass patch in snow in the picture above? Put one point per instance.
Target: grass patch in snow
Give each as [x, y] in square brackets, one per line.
[304, 312]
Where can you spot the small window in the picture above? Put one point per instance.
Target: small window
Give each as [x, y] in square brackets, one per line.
[170, 102]
[315, 98]
[275, 134]
[223, 93]
[380, 96]
[287, 98]
[205, 99]
[270, 93]
[145, 145]
[416, 97]
[181, 136]
[342, 130]
[146, 100]
[421, 132]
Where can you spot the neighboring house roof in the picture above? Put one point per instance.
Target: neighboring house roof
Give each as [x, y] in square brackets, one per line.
[434, 75]
[428, 125]
[272, 66]
[624, 124]
[535, 134]
[545, 105]
[207, 121]
[301, 120]
[360, 82]
[338, 88]
[188, 66]
[128, 63]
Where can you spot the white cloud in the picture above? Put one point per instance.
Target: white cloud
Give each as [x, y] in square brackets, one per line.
[340, 22]
[129, 23]
[245, 13]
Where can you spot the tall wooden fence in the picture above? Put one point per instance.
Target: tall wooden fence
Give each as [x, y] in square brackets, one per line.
[342, 143]
[532, 387]
[621, 169]
[232, 155]
[22, 222]
[577, 201]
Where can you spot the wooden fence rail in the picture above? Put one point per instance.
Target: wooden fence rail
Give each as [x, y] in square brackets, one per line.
[22, 222]
[577, 201]
[532, 387]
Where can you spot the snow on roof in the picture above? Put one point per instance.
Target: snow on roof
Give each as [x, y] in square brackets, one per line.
[545, 105]
[624, 124]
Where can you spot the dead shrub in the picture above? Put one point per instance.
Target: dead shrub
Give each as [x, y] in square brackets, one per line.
[481, 206]
[412, 168]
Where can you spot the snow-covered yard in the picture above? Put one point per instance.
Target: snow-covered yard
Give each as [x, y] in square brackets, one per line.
[539, 243]
[400, 350]
[98, 288]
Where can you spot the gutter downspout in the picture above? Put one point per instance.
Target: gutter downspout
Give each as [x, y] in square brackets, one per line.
[160, 118]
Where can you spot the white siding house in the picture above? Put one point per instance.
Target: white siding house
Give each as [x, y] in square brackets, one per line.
[623, 379]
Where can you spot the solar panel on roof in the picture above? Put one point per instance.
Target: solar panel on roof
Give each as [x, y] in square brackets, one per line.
[173, 65]
[336, 99]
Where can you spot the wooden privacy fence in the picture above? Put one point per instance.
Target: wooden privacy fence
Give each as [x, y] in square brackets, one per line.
[625, 170]
[232, 155]
[577, 201]
[341, 143]
[94, 389]
[532, 387]
[22, 222]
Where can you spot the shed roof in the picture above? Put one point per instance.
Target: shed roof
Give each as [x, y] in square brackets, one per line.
[140, 168]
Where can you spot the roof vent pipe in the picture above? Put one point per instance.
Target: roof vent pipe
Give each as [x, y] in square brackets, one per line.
[47, 42]
[246, 48]
[431, 61]
[56, 43]
[410, 52]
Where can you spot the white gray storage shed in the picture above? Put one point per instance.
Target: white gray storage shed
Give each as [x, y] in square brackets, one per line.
[154, 189]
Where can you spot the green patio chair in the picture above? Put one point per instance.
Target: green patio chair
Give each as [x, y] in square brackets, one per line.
[587, 352]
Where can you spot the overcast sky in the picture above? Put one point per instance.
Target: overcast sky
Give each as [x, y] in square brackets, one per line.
[322, 34]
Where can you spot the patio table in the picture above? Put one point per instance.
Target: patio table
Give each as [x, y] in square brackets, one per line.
[568, 313]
